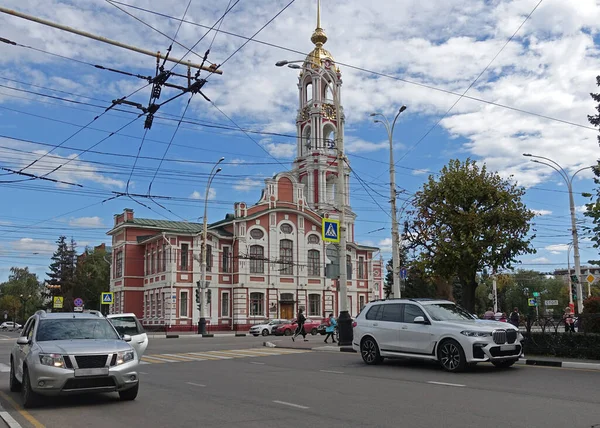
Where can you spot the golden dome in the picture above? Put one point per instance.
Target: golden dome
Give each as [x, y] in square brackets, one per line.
[319, 38]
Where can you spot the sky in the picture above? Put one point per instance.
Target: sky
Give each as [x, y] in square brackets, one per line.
[482, 79]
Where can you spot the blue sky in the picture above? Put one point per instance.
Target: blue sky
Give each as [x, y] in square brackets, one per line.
[416, 53]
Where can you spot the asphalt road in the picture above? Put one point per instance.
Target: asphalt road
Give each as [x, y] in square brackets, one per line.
[237, 386]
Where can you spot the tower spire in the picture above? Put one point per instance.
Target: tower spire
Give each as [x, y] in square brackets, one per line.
[319, 37]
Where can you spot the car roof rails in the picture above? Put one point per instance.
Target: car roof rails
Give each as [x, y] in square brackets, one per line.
[93, 312]
[41, 312]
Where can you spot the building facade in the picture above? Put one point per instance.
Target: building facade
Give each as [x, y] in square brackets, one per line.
[265, 260]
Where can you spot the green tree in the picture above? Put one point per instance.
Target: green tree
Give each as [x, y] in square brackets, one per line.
[92, 277]
[26, 288]
[417, 282]
[467, 220]
[62, 271]
[593, 208]
[11, 305]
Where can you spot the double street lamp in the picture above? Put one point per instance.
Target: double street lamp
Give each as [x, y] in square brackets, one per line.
[344, 319]
[569, 180]
[395, 236]
[203, 284]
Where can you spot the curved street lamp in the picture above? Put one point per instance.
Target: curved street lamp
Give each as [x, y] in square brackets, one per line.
[395, 236]
[569, 180]
[203, 285]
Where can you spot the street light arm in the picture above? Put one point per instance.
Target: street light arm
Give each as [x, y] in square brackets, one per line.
[397, 115]
[561, 171]
[564, 173]
[578, 171]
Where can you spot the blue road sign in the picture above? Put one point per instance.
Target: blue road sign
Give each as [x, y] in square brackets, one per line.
[107, 298]
[531, 302]
[403, 273]
[330, 230]
[78, 302]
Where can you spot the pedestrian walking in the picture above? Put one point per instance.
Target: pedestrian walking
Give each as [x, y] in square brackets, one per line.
[330, 329]
[569, 320]
[300, 320]
[515, 317]
[489, 314]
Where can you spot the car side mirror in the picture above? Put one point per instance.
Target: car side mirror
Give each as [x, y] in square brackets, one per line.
[420, 320]
[23, 340]
[127, 338]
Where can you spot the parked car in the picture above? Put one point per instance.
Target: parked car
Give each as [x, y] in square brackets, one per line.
[10, 325]
[266, 329]
[310, 326]
[436, 330]
[72, 353]
[128, 324]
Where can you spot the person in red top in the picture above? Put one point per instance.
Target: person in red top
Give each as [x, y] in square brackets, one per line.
[569, 320]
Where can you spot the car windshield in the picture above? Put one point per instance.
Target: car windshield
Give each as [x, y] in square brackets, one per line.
[75, 329]
[127, 325]
[447, 312]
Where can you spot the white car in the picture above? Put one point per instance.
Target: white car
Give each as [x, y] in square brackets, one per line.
[437, 330]
[267, 329]
[128, 324]
[9, 325]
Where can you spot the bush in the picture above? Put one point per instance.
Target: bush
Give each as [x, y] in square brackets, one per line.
[566, 345]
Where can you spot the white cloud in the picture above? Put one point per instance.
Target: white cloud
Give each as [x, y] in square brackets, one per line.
[557, 248]
[541, 213]
[247, 184]
[30, 245]
[385, 245]
[358, 145]
[212, 194]
[580, 209]
[86, 222]
[281, 150]
[541, 260]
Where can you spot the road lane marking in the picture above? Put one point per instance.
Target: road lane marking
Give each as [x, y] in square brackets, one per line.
[298, 406]
[331, 371]
[199, 358]
[4, 368]
[181, 357]
[33, 421]
[445, 383]
[256, 362]
[221, 357]
[9, 420]
[153, 360]
[226, 354]
[196, 384]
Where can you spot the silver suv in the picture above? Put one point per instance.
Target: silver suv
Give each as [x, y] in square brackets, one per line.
[436, 330]
[72, 353]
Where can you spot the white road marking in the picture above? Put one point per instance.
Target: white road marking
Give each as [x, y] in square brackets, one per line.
[185, 357]
[144, 362]
[291, 404]
[4, 368]
[331, 371]
[196, 384]
[210, 355]
[9, 420]
[154, 357]
[256, 362]
[445, 383]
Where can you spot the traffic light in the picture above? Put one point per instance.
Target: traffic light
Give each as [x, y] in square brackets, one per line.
[574, 282]
[208, 296]
[198, 298]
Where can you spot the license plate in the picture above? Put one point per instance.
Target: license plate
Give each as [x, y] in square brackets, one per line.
[508, 347]
[102, 371]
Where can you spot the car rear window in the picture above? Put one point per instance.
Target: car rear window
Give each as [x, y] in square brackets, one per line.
[74, 329]
[127, 325]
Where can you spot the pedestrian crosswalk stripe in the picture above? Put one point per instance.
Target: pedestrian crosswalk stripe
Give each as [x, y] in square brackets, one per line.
[226, 354]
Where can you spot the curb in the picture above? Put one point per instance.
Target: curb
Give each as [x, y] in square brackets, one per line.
[316, 349]
[562, 364]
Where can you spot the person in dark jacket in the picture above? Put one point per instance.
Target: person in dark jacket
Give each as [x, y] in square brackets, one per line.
[300, 319]
[514, 317]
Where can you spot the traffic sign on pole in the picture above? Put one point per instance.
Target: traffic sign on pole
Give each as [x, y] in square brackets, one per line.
[107, 298]
[78, 302]
[330, 230]
[403, 273]
[57, 302]
[532, 302]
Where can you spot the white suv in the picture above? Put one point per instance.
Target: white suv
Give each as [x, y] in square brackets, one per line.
[433, 330]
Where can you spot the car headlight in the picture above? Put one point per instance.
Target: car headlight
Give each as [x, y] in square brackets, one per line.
[123, 357]
[52, 360]
[476, 333]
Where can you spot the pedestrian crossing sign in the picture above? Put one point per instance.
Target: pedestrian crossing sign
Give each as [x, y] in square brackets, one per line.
[58, 302]
[330, 230]
[107, 298]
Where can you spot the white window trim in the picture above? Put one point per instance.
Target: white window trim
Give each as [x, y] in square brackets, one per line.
[187, 306]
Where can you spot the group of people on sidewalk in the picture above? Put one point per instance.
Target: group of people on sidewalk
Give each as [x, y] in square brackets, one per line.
[301, 319]
[514, 318]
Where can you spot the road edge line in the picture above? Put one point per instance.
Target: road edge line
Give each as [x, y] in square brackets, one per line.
[28, 416]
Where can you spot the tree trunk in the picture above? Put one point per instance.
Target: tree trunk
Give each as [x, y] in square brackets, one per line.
[468, 293]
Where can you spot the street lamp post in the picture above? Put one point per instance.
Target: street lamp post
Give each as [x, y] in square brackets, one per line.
[569, 180]
[344, 319]
[396, 292]
[569, 275]
[203, 284]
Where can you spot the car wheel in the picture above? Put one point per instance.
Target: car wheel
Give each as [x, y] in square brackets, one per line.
[369, 351]
[287, 332]
[503, 364]
[265, 332]
[29, 397]
[129, 394]
[451, 356]
[14, 384]
[313, 332]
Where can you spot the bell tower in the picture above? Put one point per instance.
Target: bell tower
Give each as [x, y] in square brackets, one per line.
[320, 127]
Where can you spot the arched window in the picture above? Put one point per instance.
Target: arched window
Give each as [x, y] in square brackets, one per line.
[257, 259]
[313, 239]
[308, 92]
[314, 263]
[286, 255]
